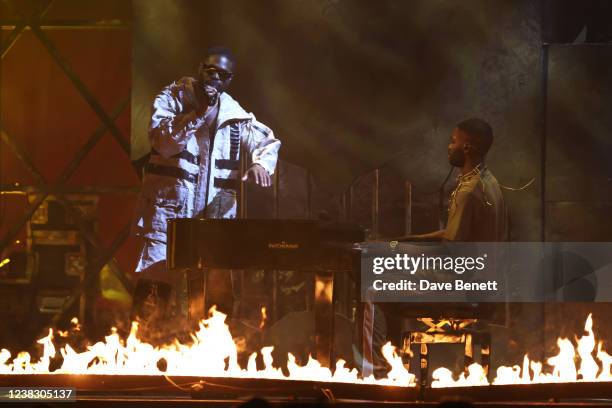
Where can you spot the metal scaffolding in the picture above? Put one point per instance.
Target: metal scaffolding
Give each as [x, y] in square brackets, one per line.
[37, 24]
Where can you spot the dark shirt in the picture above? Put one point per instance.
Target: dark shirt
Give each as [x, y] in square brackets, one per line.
[477, 212]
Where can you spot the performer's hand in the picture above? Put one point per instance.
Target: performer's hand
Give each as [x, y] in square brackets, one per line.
[258, 174]
[197, 98]
[211, 95]
[190, 99]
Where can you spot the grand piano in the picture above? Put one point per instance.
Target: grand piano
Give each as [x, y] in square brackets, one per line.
[324, 248]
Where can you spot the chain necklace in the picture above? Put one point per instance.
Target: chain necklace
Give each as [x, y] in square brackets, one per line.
[461, 179]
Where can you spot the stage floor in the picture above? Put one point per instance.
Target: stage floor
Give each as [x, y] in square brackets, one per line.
[160, 391]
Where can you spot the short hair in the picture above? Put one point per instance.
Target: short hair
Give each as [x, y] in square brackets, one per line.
[218, 50]
[480, 132]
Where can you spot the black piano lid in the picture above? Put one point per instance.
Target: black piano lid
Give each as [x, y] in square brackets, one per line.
[242, 243]
[252, 243]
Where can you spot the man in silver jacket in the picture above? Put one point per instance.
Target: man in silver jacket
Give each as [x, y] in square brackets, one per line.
[197, 130]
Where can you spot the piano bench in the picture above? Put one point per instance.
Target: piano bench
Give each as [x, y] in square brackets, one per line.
[449, 331]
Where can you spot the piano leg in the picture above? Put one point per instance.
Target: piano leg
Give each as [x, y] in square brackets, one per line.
[274, 296]
[180, 294]
[324, 317]
[196, 287]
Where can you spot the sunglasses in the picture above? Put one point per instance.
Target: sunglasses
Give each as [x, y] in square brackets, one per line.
[223, 75]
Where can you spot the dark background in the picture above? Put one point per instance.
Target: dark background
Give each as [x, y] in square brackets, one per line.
[348, 85]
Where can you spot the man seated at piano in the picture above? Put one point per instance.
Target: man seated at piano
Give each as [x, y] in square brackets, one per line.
[476, 210]
[196, 132]
[476, 213]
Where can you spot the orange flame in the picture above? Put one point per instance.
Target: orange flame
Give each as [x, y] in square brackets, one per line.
[564, 368]
[212, 354]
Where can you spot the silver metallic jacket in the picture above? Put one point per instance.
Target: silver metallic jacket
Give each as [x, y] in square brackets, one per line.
[187, 176]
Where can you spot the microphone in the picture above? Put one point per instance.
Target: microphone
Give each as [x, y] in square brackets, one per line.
[211, 95]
